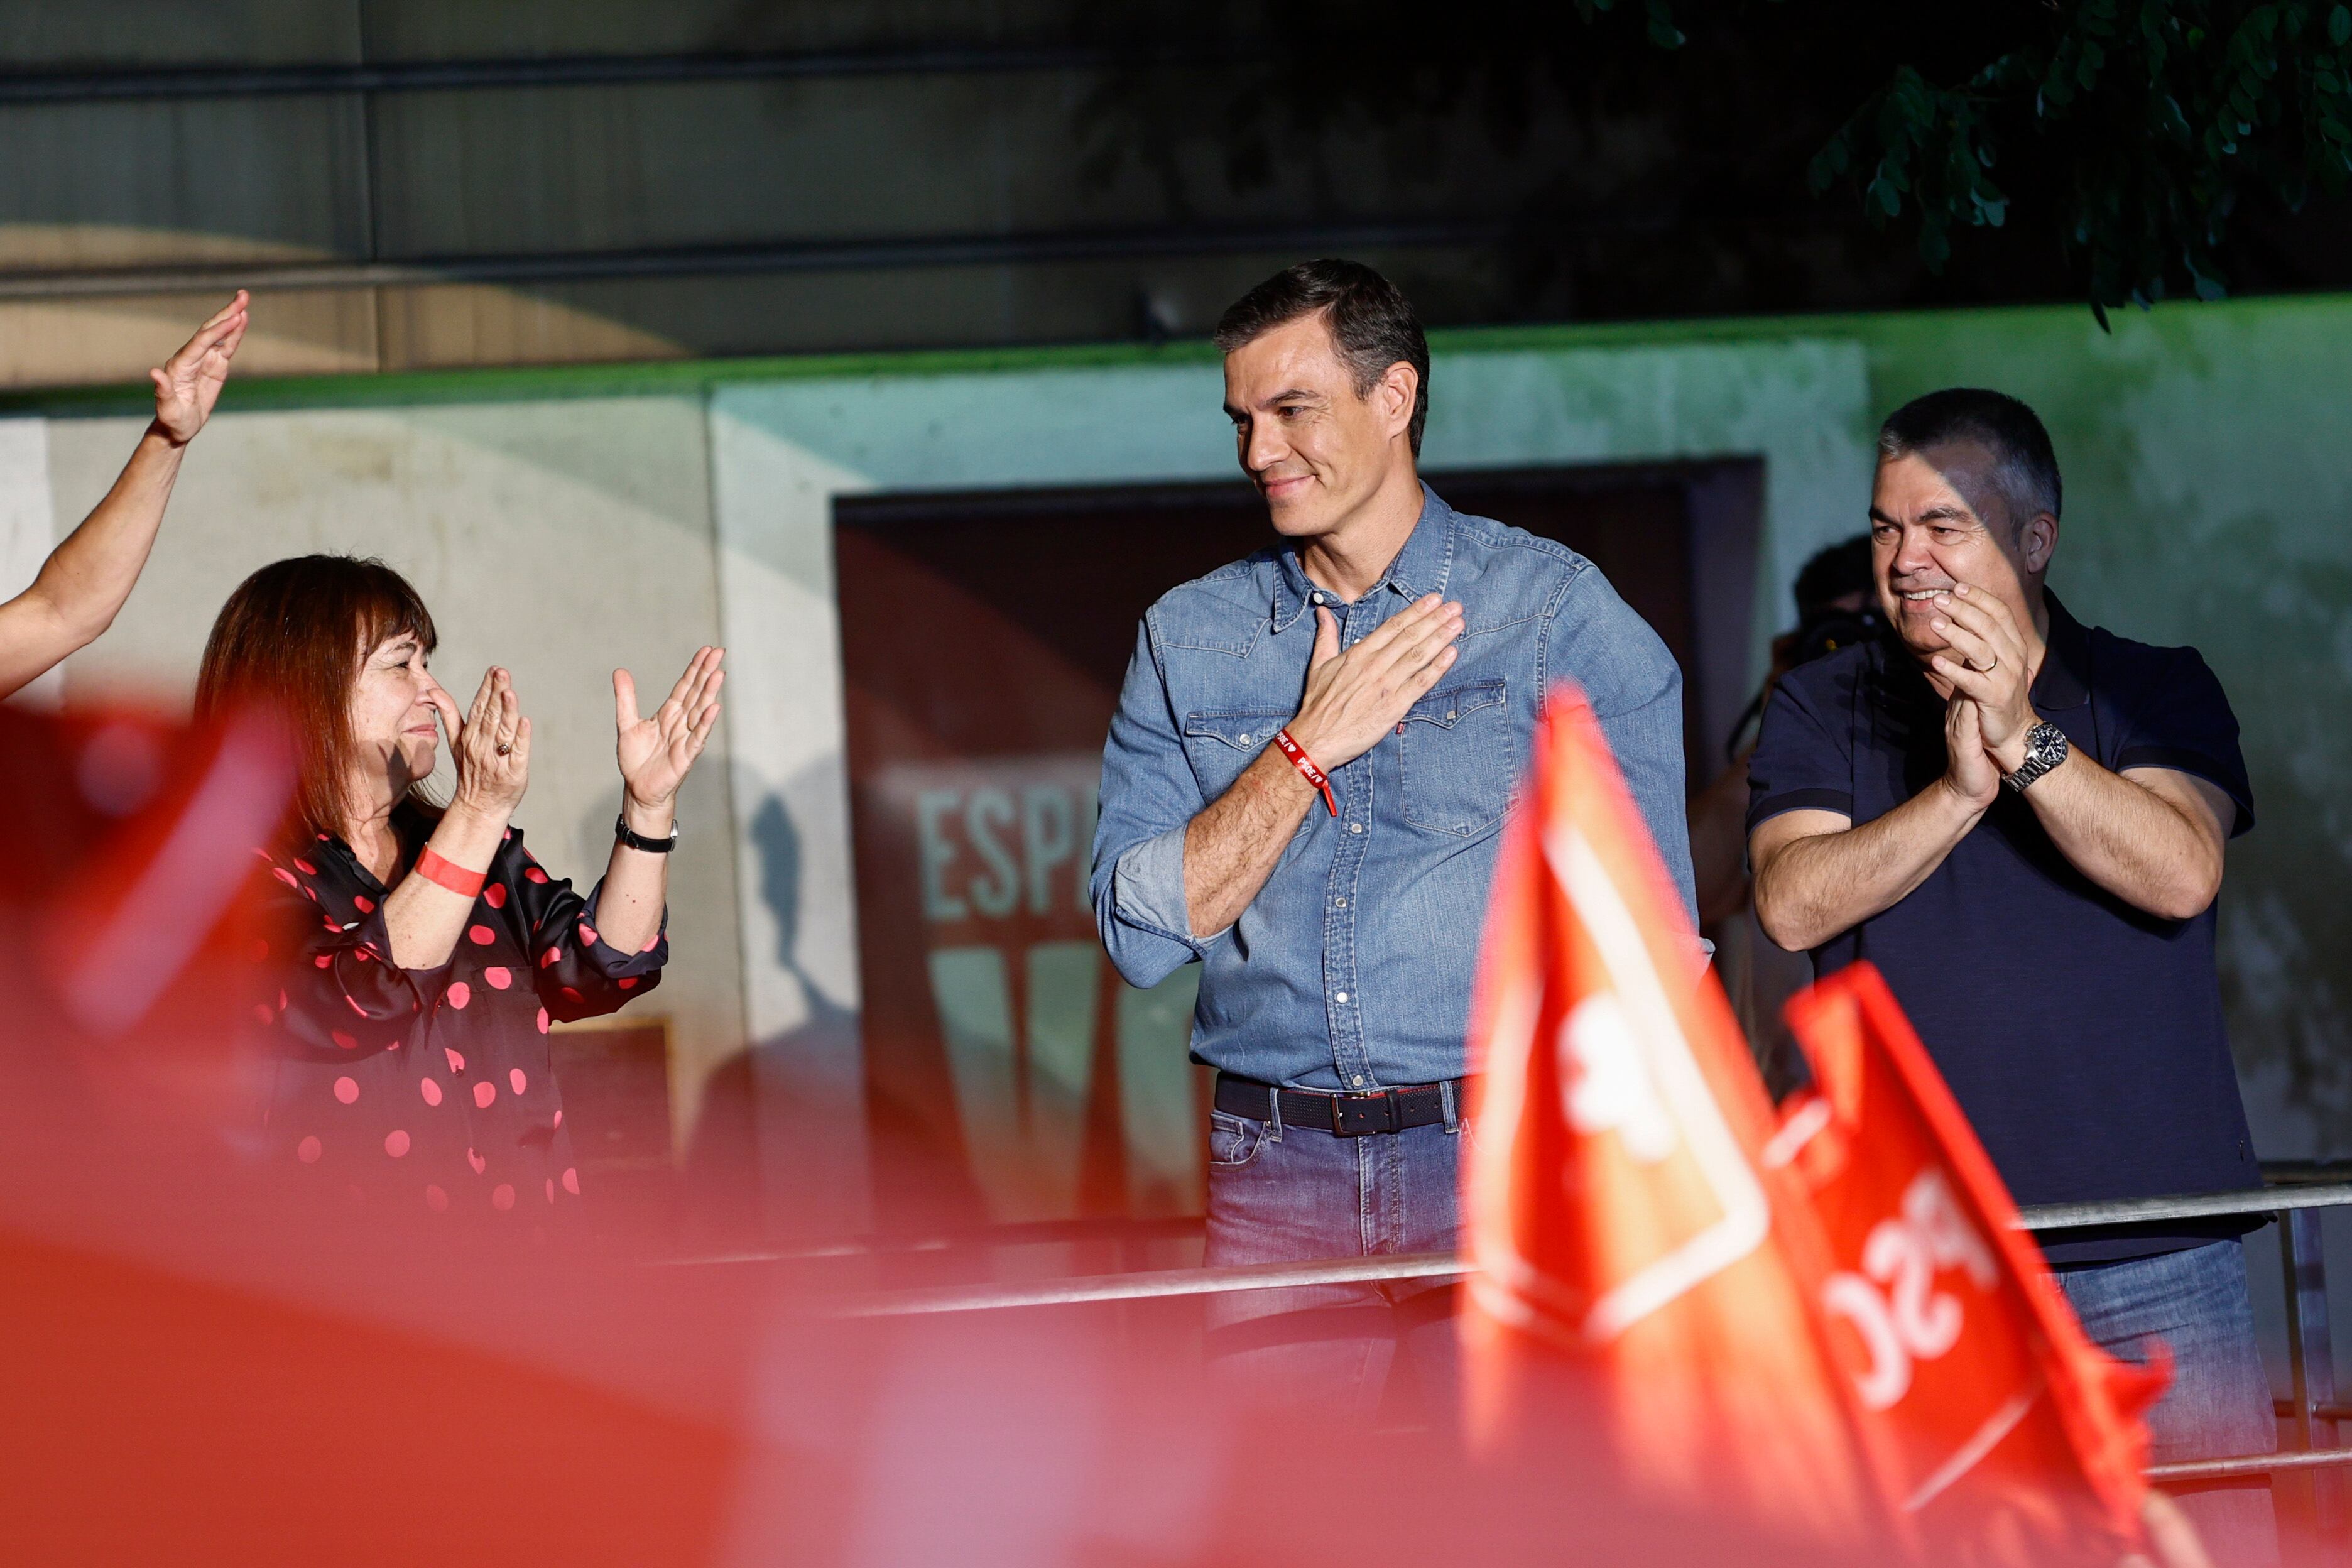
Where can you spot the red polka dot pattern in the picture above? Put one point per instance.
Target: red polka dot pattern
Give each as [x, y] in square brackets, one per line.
[436, 1200]
[542, 1020]
[515, 1079]
[429, 1089]
[347, 1042]
[458, 993]
[347, 1090]
[502, 1199]
[559, 1118]
[587, 933]
[283, 874]
[456, 1062]
[534, 874]
[480, 936]
[550, 1189]
[395, 1143]
[305, 867]
[483, 1093]
[571, 1180]
[495, 895]
[500, 979]
[309, 1150]
[626, 983]
[475, 1161]
[547, 960]
[362, 903]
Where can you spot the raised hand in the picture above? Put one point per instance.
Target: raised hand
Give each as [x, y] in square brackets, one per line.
[1354, 698]
[189, 382]
[490, 747]
[656, 753]
[1988, 662]
[1969, 772]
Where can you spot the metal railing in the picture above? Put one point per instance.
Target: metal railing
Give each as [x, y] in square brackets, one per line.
[2295, 1202]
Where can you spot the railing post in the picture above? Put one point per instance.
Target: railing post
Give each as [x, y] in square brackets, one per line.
[2311, 1354]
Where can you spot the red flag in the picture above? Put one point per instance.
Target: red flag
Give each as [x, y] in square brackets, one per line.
[2001, 1431]
[1627, 1239]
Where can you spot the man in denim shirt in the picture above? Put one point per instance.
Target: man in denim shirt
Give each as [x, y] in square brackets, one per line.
[1338, 932]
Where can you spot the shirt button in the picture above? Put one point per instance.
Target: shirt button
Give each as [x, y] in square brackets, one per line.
[1339, 996]
[1359, 1080]
[1244, 737]
[1319, 599]
[1450, 716]
[1355, 827]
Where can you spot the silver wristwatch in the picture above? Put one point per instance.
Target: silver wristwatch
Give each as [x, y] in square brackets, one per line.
[2045, 748]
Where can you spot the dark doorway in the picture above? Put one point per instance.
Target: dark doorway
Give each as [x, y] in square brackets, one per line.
[1013, 1076]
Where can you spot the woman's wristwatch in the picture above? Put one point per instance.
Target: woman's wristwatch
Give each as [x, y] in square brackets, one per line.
[635, 840]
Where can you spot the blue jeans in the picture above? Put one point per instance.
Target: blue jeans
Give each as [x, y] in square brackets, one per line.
[2220, 1401]
[1282, 1195]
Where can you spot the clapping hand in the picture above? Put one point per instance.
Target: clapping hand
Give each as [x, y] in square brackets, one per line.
[656, 753]
[1986, 663]
[189, 382]
[490, 747]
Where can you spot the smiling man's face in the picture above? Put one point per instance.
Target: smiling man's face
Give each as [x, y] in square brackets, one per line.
[1926, 536]
[1316, 449]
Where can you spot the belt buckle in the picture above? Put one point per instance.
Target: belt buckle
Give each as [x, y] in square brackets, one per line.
[1354, 1115]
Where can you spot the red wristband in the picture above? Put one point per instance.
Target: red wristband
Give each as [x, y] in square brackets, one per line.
[1306, 769]
[448, 874]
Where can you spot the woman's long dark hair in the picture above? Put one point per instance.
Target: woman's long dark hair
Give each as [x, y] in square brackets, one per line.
[292, 640]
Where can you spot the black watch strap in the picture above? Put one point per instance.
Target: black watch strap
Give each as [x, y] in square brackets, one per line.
[635, 840]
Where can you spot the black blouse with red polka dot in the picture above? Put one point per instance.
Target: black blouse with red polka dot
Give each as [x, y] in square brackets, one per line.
[428, 1090]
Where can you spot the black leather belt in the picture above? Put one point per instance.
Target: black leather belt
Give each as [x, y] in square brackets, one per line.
[1341, 1115]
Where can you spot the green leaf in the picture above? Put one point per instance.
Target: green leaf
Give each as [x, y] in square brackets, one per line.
[2340, 25]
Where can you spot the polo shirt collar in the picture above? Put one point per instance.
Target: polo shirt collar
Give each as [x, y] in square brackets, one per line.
[2064, 681]
[1423, 567]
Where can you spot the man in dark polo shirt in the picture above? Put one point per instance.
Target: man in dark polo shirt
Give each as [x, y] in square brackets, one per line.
[2020, 820]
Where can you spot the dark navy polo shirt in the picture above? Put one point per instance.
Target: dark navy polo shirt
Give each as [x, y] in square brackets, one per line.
[2082, 1037]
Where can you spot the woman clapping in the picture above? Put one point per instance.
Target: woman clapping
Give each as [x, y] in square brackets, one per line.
[414, 955]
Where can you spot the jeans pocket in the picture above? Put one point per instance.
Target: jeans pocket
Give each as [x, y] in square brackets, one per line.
[1455, 756]
[1233, 1140]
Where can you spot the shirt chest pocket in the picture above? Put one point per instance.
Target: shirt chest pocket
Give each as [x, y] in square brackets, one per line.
[1220, 746]
[1453, 752]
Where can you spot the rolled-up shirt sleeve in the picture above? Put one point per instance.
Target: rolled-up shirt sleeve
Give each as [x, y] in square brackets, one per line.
[1149, 796]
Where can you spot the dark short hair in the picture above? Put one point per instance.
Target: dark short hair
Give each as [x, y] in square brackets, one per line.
[1371, 322]
[292, 640]
[2025, 466]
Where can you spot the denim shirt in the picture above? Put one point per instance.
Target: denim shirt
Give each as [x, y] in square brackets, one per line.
[1352, 967]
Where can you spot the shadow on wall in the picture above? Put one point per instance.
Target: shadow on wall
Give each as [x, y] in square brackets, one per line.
[2286, 921]
[813, 1165]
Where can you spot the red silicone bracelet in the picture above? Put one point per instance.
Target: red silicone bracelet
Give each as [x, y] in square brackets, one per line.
[1306, 769]
[447, 873]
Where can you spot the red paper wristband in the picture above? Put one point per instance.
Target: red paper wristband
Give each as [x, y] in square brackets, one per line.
[1306, 769]
[448, 874]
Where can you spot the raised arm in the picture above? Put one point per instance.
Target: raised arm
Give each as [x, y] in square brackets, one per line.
[1816, 874]
[2153, 836]
[83, 584]
[654, 753]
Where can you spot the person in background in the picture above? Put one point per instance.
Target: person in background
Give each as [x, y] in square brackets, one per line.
[1302, 791]
[412, 956]
[2021, 820]
[1836, 607]
[83, 584]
